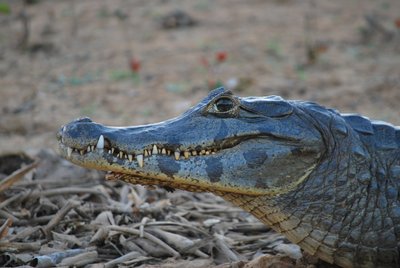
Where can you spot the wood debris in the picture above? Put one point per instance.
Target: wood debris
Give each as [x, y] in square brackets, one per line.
[65, 215]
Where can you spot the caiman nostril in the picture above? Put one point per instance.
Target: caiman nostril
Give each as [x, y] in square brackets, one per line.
[60, 132]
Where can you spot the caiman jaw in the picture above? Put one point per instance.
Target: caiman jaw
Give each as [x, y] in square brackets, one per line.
[131, 167]
[103, 146]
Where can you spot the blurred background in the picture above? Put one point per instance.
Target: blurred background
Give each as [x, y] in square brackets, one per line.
[134, 62]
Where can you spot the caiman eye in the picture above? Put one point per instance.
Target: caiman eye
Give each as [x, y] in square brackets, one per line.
[224, 105]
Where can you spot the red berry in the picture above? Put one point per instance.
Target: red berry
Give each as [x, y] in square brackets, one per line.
[221, 56]
[397, 23]
[134, 65]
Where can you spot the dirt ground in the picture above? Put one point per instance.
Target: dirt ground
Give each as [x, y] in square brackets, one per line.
[76, 60]
[126, 62]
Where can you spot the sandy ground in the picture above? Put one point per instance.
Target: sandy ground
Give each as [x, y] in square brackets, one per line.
[76, 60]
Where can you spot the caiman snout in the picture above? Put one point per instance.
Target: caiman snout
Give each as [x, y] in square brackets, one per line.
[78, 120]
[79, 133]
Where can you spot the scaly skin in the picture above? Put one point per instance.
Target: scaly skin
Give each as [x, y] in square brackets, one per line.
[328, 182]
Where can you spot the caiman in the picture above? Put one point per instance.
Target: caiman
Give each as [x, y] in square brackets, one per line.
[327, 181]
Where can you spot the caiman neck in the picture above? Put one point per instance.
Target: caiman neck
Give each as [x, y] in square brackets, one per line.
[333, 212]
[313, 218]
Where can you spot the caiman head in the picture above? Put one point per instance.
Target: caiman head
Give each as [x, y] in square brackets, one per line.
[224, 144]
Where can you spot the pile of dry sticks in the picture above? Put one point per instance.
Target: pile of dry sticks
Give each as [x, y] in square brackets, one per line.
[53, 213]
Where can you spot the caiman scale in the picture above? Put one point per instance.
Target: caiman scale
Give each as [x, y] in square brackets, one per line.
[327, 181]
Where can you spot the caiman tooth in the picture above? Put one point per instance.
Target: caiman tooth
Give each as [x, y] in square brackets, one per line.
[168, 152]
[69, 151]
[186, 154]
[146, 153]
[139, 158]
[207, 152]
[121, 155]
[155, 150]
[100, 143]
[130, 157]
[109, 151]
[194, 153]
[202, 152]
[163, 151]
[112, 150]
[88, 149]
[81, 152]
[177, 154]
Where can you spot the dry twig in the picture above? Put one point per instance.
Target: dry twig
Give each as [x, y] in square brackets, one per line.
[58, 222]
